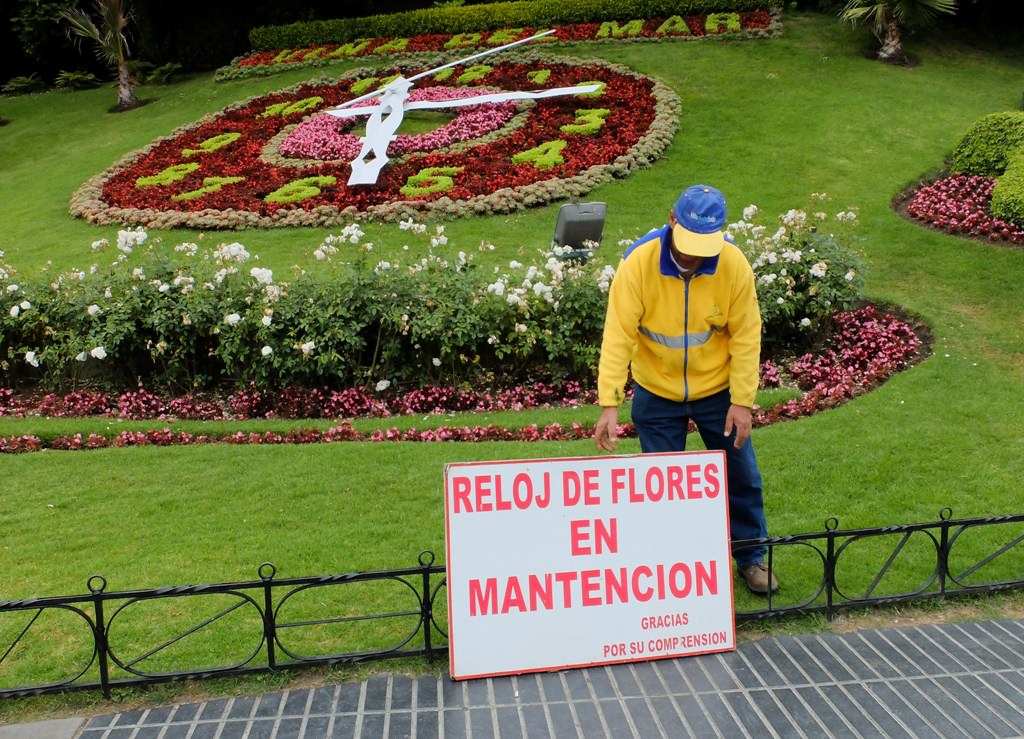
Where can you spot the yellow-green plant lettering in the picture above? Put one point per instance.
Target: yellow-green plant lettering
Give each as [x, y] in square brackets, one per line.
[545, 156]
[168, 176]
[299, 190]
[588, 121]
[430, 180]
[210, 184]
[213, 143]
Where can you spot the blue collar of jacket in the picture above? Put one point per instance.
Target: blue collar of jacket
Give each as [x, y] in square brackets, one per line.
[667, 265]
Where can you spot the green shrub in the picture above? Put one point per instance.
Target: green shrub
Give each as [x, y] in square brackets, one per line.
[1008, 195]
[469, 18]
[76, 80]
[24, 85]
[986, 147]
[162, 75]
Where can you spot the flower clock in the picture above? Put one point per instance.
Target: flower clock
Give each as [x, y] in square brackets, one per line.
[282, 159]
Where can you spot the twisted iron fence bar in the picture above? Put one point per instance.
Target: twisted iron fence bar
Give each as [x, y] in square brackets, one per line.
[426, 581]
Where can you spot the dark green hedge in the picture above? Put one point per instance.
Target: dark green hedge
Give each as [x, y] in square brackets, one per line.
[1008, 195]
[469, 18]
[986, 148]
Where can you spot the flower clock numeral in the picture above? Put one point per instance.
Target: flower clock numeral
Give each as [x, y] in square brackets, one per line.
[210, 184]
[430, 180]
[292, 107]
[299, 190]
[588, 121]
[548, 154]
[212, 144]
[168, 175]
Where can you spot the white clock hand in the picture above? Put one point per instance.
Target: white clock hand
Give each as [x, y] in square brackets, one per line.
[385, 119]
[381, 126]
[495, 97]
[486, 52]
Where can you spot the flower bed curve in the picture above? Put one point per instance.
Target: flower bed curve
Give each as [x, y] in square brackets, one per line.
[868, 346]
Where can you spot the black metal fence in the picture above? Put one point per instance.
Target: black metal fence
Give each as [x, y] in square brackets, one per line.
[104, 640]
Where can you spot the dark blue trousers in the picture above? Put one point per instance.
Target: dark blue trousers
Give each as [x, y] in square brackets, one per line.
[661, 425]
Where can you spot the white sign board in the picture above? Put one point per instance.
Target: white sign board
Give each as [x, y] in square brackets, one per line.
[572, 562]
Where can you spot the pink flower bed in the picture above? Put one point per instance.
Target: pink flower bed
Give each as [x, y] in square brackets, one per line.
[326, 137]
[866, 349]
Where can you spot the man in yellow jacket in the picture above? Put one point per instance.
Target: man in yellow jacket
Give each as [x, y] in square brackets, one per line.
[683, 315]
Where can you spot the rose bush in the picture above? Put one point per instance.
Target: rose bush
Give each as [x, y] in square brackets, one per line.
[191, 319]
[806, 267]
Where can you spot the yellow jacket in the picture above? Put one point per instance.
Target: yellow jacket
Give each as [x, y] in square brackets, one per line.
[686, 339]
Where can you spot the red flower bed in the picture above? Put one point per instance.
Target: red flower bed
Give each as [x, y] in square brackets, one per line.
[959, 204]
[865, 350]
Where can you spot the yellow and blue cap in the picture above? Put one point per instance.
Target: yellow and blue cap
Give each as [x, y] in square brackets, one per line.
[700, 218]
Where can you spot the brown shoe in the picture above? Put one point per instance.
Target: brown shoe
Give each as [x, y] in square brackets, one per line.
[758, 578]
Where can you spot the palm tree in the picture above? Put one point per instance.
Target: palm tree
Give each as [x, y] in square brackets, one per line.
[888, 18]
[111, 42]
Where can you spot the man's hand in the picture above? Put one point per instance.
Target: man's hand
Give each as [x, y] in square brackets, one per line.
[606, 433]
[738, 418]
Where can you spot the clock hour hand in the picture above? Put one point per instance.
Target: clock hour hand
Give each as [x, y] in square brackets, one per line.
[489, 98]
[381, 127]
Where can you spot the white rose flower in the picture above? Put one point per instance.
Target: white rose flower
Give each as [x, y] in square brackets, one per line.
[261, 275]
[436, 362]
[82, 356]
[98, 352]
[93, 310]
[266, 351]
[232, 318]
[383, 385]
[30, 357]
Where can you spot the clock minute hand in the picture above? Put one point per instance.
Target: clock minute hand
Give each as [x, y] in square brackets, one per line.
[435, 70]
[488, 98]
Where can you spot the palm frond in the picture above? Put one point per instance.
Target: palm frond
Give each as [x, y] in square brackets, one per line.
[109, 36]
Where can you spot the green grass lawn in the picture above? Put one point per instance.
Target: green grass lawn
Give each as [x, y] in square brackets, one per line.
[769, 122]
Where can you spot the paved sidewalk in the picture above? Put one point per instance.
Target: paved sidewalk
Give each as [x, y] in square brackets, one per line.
[948, 680]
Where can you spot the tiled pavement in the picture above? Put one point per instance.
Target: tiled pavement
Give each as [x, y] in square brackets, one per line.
[948, 680]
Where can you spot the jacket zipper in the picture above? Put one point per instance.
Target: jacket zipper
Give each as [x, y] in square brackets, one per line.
[686, 338]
